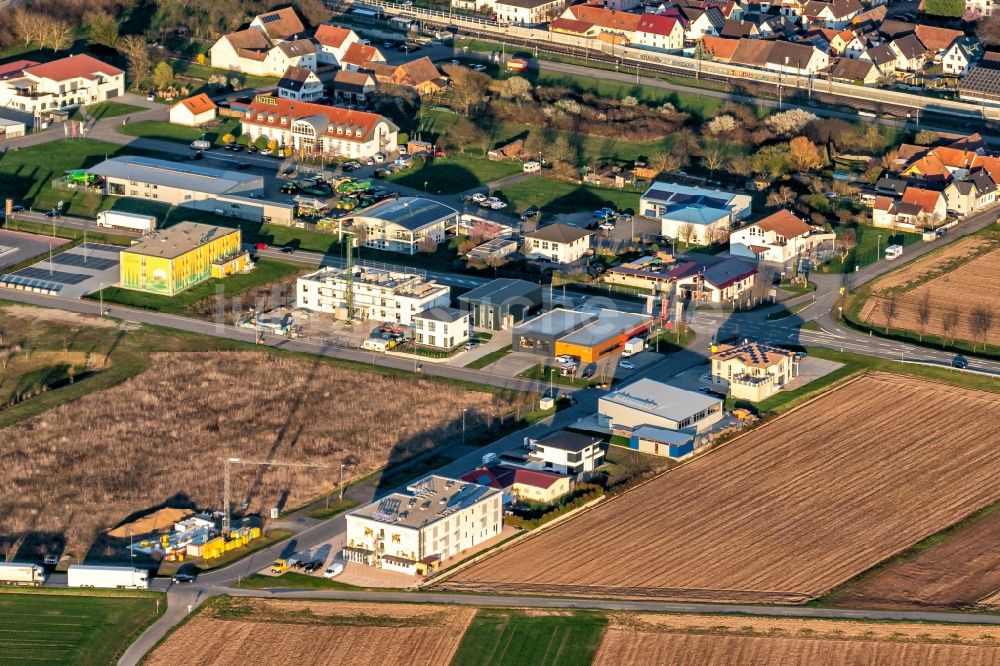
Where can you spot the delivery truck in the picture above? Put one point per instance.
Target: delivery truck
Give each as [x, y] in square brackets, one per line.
[19, 573]
[633, 347]
[107, 576]
[114, 220]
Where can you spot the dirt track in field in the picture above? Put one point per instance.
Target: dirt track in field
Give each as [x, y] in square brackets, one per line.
[782, 514]
[696, 640]
[275, 633]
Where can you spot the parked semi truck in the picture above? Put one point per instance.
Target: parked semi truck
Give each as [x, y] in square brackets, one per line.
[111, 577]
[18, 573]
[115, 220]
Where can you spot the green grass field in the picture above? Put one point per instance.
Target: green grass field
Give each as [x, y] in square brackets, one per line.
[70, 629]
[543, 373]
[554, 197]
[487, 359]
[293, 579]
[265, 272]
[165, 131]
[449, 175]
[511, 637]
[871, 244]
[107, 110]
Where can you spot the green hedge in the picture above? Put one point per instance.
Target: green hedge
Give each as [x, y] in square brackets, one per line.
[584, 493]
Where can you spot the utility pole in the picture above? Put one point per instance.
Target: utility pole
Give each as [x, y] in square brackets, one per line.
[226, 485]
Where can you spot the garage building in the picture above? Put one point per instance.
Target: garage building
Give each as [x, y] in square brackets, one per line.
[502, 303]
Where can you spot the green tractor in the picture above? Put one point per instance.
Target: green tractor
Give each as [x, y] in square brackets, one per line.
[79, 177]
[291, 187]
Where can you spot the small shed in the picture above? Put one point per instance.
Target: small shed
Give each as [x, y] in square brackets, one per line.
[661, 442]
[193, 111]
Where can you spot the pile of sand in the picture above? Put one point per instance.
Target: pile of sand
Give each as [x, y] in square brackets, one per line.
[157, 520]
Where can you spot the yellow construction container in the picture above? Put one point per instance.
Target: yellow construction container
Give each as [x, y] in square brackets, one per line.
[254, 532]
[213, 548]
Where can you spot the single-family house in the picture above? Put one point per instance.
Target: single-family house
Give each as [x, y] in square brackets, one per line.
[739, 29]
[359, 55]
[719, 48]
[696, 223]
[797, 59]
[252, 52]
[523, 484]
[528, 12]
[752, 370]
[855, 71]
[883, 56]
[193, 111]
[961, 197]
[559, 243]
[937, 40]
[441, 327]
[573, 454]
[698, 22]
[420, 75]
[75, 80]
[332, 42]
[978, 8]
[836, 15]
[911, 54]
[889, 213]
[281, 25]
[957, 59]
[403, 224]
[986, 189]
[779, 238]
[659, 32]
[933, 206]
[724, 281]
[352, 87]
[663, 196]
[300, 84]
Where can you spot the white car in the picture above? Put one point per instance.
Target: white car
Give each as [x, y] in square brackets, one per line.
[626, 365]
[607, 226]
[479, 197]
[497, 205]
[334, 569]
[563, 359]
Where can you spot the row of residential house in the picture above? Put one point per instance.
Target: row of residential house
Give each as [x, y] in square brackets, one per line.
[933, 182]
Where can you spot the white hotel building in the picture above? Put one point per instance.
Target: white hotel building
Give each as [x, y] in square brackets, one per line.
[379, 295]
[435, 519]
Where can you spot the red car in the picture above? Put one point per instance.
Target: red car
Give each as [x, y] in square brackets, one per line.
[261, 246]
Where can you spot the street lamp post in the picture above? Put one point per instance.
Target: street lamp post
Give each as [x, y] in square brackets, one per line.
[552, 374]
[341, 484]
[464, 410]
[878, 246]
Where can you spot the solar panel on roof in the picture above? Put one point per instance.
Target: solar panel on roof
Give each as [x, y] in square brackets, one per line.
[270, 18]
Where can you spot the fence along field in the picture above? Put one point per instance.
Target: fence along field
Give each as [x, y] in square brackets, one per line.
[781, 514]
[235, 630]
[85, 466]
[699, 639]
[950, 305]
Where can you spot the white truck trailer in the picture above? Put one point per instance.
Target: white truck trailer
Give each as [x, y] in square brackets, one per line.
[115, 220]
[633, 347]
[108, 576]
[19, 573]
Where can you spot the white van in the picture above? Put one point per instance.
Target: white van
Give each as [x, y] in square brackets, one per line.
[532, 167]
[375, 344]
[893, 251]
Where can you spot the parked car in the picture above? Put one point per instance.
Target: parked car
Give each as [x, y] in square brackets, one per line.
[313, 566]
[476, 67]
[51, 560]
[589, 371]
[388, 45]
[626, 365]
[17, 208]
[252, 149]
[496, 204]
[531, 212]
[604, 214]
[960, 362]
[229, 146]
[351, 166]
[478, 197]
[53, 213]
[295, 563]
[607, 226]
[563, 359]
[334, 569]
[237, 148]
[379, 157]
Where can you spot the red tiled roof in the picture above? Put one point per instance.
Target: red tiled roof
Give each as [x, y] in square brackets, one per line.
[332, 35]
[926, 199]
[72, 67]
[720, 47]
[656, 24]
[570, 25]
[358, 54]
[606, 18]
[784, 223]
[281, 24]
[936, 39]
[13, 69]
[505, 476]
[273, 109]
[198, 104]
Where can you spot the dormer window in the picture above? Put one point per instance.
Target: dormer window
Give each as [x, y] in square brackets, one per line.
[340, 130]
[284, 120]
[260, 116]
[357, 132]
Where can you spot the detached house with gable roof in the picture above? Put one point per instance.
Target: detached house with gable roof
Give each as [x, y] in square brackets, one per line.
[559, 243]
[300, 84]
[267, 48]
[193, 111]
[659, 32]
[333, 42]
[318, 129]
[911, 54]
[779, 238]
[36, 88]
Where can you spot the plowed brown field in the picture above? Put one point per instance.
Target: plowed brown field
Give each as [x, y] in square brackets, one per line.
[971, 285]
[783, 513]
[272, 633]
[699, 640]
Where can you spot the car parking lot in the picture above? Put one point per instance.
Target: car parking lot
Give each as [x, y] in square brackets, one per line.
[76, 272]
[16, 246]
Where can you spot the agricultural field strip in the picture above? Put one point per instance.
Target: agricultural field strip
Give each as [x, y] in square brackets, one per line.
[752, 520]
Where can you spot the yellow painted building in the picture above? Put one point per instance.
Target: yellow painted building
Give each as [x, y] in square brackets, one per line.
[181, 256]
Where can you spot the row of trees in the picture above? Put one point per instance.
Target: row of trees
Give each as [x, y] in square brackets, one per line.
[979, 319]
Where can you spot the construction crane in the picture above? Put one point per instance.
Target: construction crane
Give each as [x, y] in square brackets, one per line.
[227, 462]
[352, 238]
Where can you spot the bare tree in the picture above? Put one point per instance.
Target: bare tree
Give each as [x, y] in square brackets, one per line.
[665, 163]
[58, 35]
[26, 25]
[713, 159]
[980, 323]
[924, 313]
[782, 196]
[686, 232]
[949, 320]
[136, 51]
[890, 308]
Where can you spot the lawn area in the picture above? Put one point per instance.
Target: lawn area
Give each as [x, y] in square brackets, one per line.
[81, 630]
[542, 373]
[871, 244]
[490, 358]
[554, 197]
[192, 70]
[513, 637]
[165, 131]
[107, 110]
[668, 342]
[265, 272]
[337, 506]
[449, 175]
[295, 580]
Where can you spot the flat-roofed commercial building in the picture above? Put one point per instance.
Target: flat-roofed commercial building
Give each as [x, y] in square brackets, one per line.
[401, 225]
[436, 519]
[609, 331]
[539, 335]
[650, 403]
[181, 256]
[377, 294]
[502, 303]
[220, 191]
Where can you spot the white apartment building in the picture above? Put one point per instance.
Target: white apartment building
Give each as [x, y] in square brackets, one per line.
[378, 294]
[442, 327]
[36, 88]
[559, 243]
[318, 129]
[414, 531]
